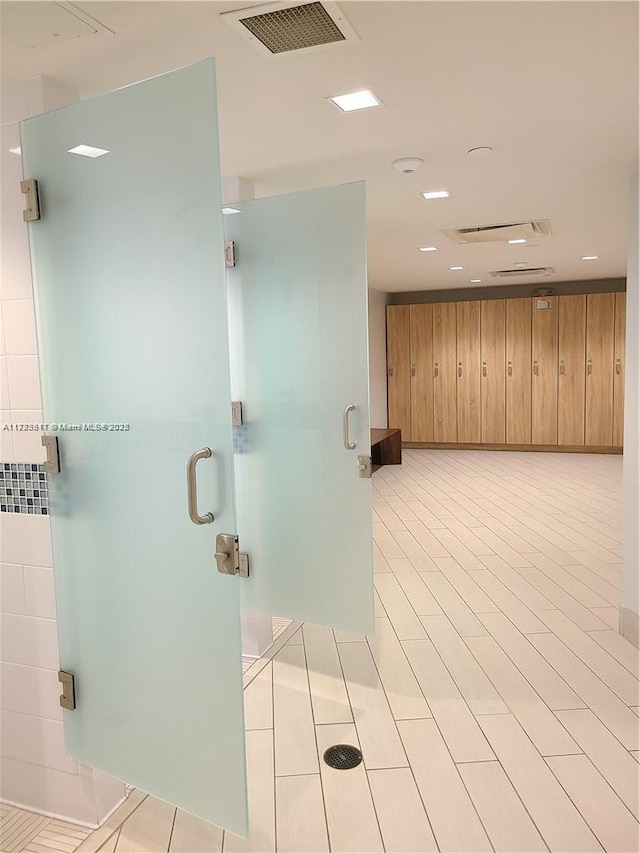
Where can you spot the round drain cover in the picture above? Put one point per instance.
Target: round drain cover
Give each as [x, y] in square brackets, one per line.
[342, 756]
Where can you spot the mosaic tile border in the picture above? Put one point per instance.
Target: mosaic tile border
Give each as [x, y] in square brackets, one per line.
[23, 488]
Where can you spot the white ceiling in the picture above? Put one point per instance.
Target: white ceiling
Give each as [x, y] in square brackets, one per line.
[552, 87]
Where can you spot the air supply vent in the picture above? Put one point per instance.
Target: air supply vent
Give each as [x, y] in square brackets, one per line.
[277, 28]
[501, 233]
[530, 271]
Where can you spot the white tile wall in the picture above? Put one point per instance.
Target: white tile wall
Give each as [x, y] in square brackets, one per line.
[35, 773]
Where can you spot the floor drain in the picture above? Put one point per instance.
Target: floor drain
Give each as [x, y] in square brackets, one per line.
[342, 756]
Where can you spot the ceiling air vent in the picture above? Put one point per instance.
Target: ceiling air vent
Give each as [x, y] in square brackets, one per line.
[501, 233]
[277, 28]
[530, 271]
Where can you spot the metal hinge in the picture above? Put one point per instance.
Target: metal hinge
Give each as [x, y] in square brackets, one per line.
[68, 696]
[30, 189]
[229, 253]
[236, 413]
[228, 557]
[52, 465]
[364, 466]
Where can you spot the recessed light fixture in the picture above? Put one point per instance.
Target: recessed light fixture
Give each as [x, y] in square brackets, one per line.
[475, 280]
[437, 194]
[455, 268]
[590, 258]
[88, 151]
[480, 151]
[229, 210]
[515, 242]
[362, 100]
[428, 248]
[17, 150]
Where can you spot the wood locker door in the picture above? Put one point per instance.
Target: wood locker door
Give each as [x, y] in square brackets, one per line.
[572, 319]
[444, 372]
[492, 334]
[599, 374]
[618, 376]
[398, 368]
[468, 372]
[544, 380]
[518, 381]
[421, 372]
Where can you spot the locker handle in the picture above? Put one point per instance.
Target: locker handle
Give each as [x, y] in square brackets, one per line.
[589, 367]
[436, 369]
[413, 370]
[484, 368]
[618, 366]
[390, 370]
[561, 367]
[510, 369]
[535, 368]
[459, 368]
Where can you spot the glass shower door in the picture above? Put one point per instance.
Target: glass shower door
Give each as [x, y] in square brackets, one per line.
[128, 271]
[298, 307]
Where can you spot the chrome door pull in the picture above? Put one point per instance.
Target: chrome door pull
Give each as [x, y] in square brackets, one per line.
[459, 368]
[561, 367]
[192, 487]
[535, 368]
[484, 368]
[436, 369]
[413, 370]
[348, 445]
[618, 366]
[589, 367]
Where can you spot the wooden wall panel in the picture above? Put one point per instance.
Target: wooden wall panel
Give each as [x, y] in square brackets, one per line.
[468, 372]
[493, 351]
[398, 368]
[600, 369]
[518, 381]
[422, 372]
[444, 372]
[618, 372]
[544, 380]
[572, 318]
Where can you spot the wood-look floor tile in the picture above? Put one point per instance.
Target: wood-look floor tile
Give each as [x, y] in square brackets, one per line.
[403, 821]
[192, 835]
[295, 745]
[328, 692]
[405, 697]
[300, 819]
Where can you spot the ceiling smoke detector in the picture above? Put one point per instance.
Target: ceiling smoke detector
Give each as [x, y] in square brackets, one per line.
[407, 164]
[279, 28]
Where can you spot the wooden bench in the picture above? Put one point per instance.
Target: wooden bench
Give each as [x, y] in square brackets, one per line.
[386, 447]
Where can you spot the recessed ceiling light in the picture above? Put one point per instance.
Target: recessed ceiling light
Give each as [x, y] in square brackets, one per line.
[17, 150]
[362, 100]
[428, 248]
[455, 268]
[229, 210]
[590, 258]
[480, 151]
[437, 194]
[475, 280]
[88, 151]
[519, 240]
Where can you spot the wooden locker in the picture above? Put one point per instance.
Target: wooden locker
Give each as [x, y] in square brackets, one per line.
[518, 380]
[572, 318]
[544, 379]
[444, 372]
[493, 349]
[618, 374]
[398, 369]
[600, 369]
[421, 318]
[468, 372]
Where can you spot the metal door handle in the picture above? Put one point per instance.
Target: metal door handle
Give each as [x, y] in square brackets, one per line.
[618, 366]
[510, 369]
[390, 370]
[192, 487]
[535, 368]
[413, 370]
[561, 367]
[459, 368]
[484, 368]
[348, 445]
[436, 369]
[589, 367]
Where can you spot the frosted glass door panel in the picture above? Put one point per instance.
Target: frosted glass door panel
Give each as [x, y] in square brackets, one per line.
[298, 296]
[132, 325]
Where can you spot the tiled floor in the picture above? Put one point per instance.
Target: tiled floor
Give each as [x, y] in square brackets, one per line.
[496, 708]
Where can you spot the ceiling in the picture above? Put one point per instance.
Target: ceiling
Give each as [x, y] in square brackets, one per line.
[551, 87]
